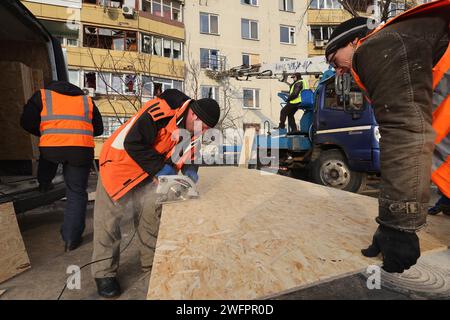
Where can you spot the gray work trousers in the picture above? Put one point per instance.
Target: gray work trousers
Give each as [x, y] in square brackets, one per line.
[108, 214]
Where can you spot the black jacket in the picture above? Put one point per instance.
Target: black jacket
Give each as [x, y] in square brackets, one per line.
[31, 121]
[141, 137]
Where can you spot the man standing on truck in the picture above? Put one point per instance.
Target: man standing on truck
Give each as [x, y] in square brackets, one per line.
[403, 67]
[66, 121]
[293, 102]
[142, 149]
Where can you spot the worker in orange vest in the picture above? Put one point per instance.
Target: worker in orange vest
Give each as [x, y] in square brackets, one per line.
[66, 121]
[403, 67]
[143, 148]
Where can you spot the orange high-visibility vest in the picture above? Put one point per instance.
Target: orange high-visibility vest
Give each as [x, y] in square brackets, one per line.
[119, 172]
[66, 121]
[441, 99]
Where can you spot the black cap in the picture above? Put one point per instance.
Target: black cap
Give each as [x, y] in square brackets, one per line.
[207, 110]
[345, 33]
[174, 98]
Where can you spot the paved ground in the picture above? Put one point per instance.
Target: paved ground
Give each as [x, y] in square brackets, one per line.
[45, 280]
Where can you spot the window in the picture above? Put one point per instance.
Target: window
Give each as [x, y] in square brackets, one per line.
[90, 80]
[286, 5]
[176, 11]
[249, 29]
[251, 98]
[111, 124]
[66, 33]
[152, 85]
[146, 43]
[74, 77]
[111, 39]
[162, 47]
[287, 34]
[354, 101]
[108, 3]
[209, 23]
[249, 59]
[325, 4]
[111, 83]
[167, 48]
[177, 50]
[209, 92]
[163, 8]
[157, 46]
[250, 2]
[209, 59]
[318, 33]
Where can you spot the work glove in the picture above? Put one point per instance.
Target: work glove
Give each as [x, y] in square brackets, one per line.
[167, 170]
[191, 173]
[400, 249]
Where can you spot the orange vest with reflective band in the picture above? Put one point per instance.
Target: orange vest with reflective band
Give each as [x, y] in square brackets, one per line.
[66, 121]
[441, 100]
[119, 172]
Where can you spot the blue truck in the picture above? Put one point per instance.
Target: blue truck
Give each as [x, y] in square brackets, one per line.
[338, 141]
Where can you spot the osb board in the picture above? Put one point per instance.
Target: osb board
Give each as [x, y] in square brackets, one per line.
[13, 255]
[252, 235]
[247, 145]
[17, 85]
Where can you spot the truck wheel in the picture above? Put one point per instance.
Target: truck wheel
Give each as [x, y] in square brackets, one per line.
[332, 170]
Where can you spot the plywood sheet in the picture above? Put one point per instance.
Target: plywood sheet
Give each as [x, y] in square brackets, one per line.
[247, 145]
[13, 255]
[17, 85]
[253, 235]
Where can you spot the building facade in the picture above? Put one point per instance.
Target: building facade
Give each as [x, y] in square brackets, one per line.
[120, 52]
[221, 35]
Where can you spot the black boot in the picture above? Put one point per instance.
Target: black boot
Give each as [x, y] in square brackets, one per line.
[108, 287]
[72, 245]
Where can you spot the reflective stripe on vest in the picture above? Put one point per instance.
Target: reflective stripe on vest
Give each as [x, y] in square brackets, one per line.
[59, 129]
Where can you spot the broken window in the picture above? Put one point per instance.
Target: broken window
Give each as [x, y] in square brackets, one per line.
[110, 39]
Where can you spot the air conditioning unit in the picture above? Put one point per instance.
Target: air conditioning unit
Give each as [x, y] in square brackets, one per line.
[128, 12]
[90, 92]
[319, 44]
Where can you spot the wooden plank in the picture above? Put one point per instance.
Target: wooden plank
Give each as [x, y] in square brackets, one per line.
[247, 145]
[13, 255]
[252, 235]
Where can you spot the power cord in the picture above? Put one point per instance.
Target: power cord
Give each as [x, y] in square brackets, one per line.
[101, 260]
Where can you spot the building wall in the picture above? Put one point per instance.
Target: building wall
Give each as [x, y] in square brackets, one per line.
[231, 45]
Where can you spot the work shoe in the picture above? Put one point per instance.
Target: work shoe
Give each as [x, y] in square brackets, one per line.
[72, 245]
[108, 287]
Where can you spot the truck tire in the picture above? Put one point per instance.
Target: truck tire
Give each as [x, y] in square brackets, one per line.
[331, 169]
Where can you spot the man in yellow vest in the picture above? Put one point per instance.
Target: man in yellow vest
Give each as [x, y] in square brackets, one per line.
[66, 121]
[403, 67]
[293, 102]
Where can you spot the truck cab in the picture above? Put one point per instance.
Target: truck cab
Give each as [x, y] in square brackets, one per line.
[338, 140]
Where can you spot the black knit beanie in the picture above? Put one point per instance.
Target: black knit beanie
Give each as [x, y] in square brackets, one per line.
[345, 33]
[207, 110]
